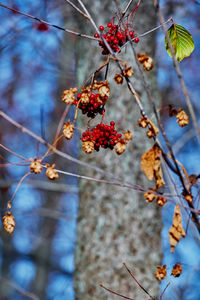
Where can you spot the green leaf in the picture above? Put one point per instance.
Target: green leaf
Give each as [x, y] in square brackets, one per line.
[181, 41]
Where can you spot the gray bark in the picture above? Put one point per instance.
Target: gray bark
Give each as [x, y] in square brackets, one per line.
[116, 224]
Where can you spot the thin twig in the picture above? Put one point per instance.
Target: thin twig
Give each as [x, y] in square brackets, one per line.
[60, 124]
[146, 32]
[177, 69]
[115, 293]
[89, 16]
[19, 289]
[47, 23]
[75, 7]
[117, 183]
[137, 281]
[25, 130]
[43, 185]
[12, 152]
[127, 7]
[56, 151]
[20, 182]
[164, 290]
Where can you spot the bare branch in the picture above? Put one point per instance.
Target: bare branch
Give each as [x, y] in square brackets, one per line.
[49, 24]
[75, 7]
[127, 7]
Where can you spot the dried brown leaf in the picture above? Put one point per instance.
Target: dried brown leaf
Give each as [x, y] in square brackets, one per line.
[150, 161]
[176, 231]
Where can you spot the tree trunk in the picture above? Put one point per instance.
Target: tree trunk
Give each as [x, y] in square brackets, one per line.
[115, 224]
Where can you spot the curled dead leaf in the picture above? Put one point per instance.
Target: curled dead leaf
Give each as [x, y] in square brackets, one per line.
[151, 165]
[176, 231]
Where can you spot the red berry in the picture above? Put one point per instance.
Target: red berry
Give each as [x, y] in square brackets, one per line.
[101, 28]
[112, 123]
[42, 27]
[96, 35]
[92, 96]
[79, 95]
[131, 33]
[136, 40]
[109, 25]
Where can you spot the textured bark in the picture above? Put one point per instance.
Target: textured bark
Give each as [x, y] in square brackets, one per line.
[116, 224]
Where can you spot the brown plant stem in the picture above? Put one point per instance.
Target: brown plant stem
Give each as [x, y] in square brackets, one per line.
[115, 293]
[164, 290]
[12, 152]
[18, 186]
[137, 281]
[60, 124]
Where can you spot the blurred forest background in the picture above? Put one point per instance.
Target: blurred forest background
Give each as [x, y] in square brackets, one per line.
[36, 63]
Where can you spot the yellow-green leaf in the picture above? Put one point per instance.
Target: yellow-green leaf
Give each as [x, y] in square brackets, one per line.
[181, 41]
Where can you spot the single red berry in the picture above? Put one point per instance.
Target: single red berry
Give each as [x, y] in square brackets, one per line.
[42, 27]
[101, 28]
[96, 35]
[92, 96]
[109, 25]
[137, 40]
[79, 95]
[115, 41]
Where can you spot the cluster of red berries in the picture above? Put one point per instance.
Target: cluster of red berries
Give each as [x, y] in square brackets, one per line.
[93, 107]
[102, 135]
[115, 36]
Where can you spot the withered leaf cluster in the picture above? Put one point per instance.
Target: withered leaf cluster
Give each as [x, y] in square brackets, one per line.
[161, 272]
[177, 270]
[9, 222]
[146, 61]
